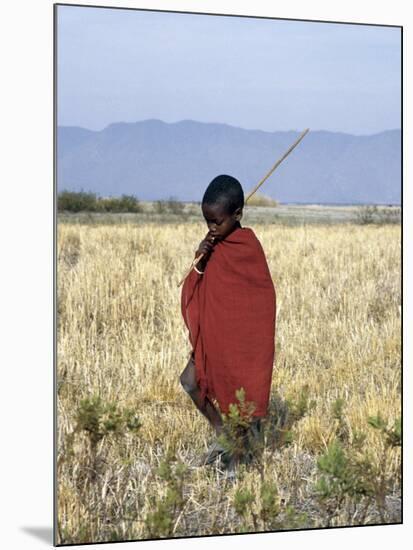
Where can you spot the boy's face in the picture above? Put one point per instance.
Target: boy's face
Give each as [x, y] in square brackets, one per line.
[220, 223]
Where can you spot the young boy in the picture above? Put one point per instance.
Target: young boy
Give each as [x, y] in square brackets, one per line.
[228, 305]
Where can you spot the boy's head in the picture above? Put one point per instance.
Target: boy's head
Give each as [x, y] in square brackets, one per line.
[222, 206]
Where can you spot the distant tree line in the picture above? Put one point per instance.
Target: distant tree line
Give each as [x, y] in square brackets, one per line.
[82, 201]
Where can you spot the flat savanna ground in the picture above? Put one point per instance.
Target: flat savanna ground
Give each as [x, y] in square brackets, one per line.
[285, 214]
[121, 337]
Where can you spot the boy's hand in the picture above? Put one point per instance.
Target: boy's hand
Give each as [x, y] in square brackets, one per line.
[205, 248]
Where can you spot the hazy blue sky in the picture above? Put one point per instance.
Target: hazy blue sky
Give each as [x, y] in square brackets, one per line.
[125, 66]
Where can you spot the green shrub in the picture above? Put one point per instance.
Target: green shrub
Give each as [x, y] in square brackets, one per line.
[125, 203]
[167, 509]
[351, 480]
[372, 214]
[85, 452]
[160, 207]
[99, 419]
[72, 201]
[259, 509]
[392, 434]
[170, 206]
[366, 214]
[235, 436]
[390, 215]
[175, 206]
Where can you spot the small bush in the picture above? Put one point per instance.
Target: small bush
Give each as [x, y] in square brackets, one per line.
[366, 214]
[235, 437]
[393, 434]
[170, 206]
[390, 215]
[175, 206]
[374, 215]
[258, 199]
[161, 207]
[125, 203]
[260, 509]
[351, 480]
[71, 201]
[98, 420]
[167, 509]
[99, 425]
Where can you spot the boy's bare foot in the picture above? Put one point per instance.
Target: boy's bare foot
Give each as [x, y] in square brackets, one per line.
[231, 463]
[215, 451]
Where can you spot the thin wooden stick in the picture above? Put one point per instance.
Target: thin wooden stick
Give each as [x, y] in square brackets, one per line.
[194, 263]
[277, 164]
[279, 161]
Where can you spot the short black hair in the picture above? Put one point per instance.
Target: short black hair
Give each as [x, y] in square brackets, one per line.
[227, 190]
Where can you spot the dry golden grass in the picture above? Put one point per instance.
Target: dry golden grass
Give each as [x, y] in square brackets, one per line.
[121, 335]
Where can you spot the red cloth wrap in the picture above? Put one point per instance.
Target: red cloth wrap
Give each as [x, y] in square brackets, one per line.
[230, 314]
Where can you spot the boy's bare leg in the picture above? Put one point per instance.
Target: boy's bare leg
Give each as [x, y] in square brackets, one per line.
[188, 381]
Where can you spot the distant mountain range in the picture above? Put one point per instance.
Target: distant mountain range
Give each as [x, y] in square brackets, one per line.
[155, 160]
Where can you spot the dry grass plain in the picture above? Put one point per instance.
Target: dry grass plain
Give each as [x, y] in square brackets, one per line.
[121, 336]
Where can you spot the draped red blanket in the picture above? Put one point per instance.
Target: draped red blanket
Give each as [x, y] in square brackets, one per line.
[230, 314]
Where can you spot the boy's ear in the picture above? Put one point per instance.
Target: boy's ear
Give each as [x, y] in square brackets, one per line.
[238, 214]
